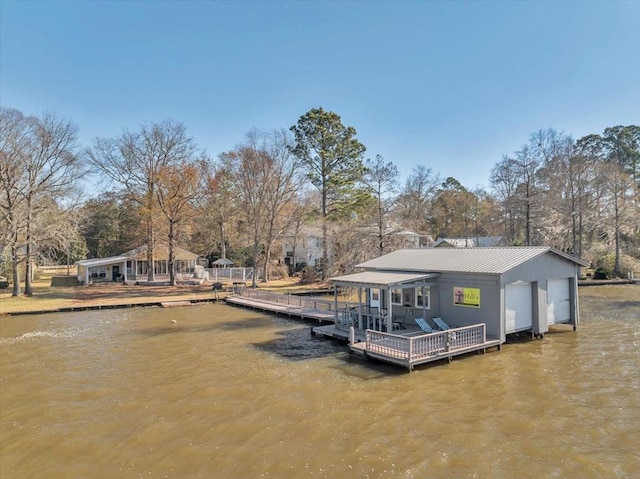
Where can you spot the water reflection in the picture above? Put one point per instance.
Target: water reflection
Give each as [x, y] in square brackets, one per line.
[229, 392]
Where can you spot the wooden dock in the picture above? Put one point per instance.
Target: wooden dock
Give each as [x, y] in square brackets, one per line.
[408, 347]
[412, 351]
[288, 310]
[322, 310]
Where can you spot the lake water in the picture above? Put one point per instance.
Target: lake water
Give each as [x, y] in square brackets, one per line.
[226, 392]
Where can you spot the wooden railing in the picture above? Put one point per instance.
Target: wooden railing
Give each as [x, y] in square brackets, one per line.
[408, 349]
[304, 302]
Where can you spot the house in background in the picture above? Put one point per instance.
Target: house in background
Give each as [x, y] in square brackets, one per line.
[471, 242]
[134, 266]
[306, 247]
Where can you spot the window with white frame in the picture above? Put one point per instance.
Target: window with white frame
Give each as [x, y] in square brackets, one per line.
[98, 272]
[396, 296]
[423, 300]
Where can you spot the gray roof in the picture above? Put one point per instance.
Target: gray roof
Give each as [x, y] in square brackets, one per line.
[92, 263]
[223, 261]
[380, 279]
[465, 260]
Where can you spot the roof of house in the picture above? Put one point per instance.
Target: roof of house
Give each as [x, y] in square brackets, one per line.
[92, 263]
[161, 252]
[223, 262]
[465, 260]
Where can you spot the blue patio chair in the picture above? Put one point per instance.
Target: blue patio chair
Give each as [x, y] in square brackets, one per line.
[441, 324]
[424, 326]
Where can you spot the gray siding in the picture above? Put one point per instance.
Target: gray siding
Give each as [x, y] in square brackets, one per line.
[547, 266]
[489, 310]
[538, 271]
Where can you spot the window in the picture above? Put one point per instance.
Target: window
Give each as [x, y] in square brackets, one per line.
[396, 296]
[142, 267]
[375, 295]
[98, 272]
[423, 300]
[161, 266]
[407, 297]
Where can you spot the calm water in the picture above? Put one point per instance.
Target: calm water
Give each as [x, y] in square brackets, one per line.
[230, 393]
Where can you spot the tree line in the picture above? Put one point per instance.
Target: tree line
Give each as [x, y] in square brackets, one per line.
[158, 186]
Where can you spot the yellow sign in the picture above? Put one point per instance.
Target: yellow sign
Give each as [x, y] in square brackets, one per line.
[469, 297]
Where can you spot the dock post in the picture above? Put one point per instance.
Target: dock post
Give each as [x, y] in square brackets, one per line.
[352, 335]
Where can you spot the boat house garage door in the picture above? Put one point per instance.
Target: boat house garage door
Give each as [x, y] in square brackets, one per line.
[558, 301]
[518, 311]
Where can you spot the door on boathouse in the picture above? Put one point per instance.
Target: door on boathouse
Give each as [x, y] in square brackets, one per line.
[558, 301]
[518, 307]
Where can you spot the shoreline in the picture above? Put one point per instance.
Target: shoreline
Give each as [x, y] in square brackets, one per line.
[118, 299]
[92, 307]
[57, 299]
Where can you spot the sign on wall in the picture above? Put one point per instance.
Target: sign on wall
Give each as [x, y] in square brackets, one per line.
[469, 297]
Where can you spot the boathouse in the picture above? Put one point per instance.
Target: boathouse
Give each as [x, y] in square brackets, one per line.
[508, 289]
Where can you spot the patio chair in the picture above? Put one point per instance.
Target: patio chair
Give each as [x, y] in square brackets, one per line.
[441, 324]
[424, 325]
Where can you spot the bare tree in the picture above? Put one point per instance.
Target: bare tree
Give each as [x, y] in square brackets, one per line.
[414, 201]
[505, 179]
[14, 146]
[381, 180]
[178, 186]
[265, 177]
[39, 171]
[133, 161]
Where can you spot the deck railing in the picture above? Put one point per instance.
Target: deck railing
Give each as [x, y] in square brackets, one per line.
[233, 274]
[303, 302]
[348, 316]
[407, 349]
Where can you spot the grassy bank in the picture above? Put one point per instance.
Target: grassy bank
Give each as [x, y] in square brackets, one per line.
[47, 298]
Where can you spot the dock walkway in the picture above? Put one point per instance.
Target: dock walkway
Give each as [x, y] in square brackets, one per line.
[296, 310]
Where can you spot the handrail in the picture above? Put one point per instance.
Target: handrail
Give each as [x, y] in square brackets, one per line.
[304, 302]
[411, 348]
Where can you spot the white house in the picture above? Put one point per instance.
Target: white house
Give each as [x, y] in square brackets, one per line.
[306, 247]
[134, 266]
[471, 242]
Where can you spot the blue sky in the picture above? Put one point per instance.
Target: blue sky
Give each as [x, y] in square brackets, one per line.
[450, 85]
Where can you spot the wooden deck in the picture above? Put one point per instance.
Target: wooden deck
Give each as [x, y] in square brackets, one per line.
[406, 347]
[411, 350]
[322, 310]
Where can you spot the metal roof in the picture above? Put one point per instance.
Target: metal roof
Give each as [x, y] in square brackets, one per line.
[381, 279]
[464, 260]
[160, 252]
[223, 261]
[92, 263]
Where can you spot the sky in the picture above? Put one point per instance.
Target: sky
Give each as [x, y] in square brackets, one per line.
[451, 85]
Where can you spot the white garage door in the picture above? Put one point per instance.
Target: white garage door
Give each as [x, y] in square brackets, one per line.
[558, 301]
[518, 307]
